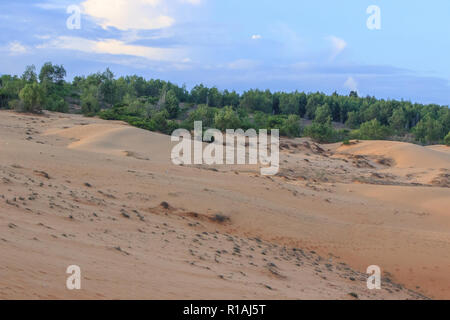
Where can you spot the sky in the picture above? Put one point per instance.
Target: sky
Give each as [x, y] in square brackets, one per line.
[383, 48]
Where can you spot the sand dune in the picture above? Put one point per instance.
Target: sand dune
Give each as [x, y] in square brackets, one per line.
[405, 155]
[116, 138]
[105, 196]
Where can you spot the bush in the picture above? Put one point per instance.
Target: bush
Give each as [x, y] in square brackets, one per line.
[171, 104]
[447, 139]
[89, 105]
[323, 114]
[341, 135]
[227, 118]
[372, 130]
[352, 120]
[16, 105]
[204, 114]
[429, 130]
[32, 97]
[159, 122]
[320, 132]
[260, 120]
[57, 104]
[291, 126]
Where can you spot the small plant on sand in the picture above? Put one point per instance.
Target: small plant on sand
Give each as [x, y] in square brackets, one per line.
[220, 218]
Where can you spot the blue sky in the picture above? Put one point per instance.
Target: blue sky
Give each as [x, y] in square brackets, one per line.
[322, 45]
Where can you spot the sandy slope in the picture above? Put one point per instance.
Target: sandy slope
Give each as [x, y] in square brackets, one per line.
[405, 155]
[83, 191]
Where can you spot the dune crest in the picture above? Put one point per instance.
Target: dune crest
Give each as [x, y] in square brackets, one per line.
[405, 155]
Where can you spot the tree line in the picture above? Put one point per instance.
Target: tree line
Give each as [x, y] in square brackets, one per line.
[163, 106]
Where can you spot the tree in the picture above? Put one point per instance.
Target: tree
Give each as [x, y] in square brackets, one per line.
[199, 94]
[57, 104]
[398, 120]
[227, 118]
[276, 103]
[59, 73]
[214, 98]
[291, 127]
[9, 89]
[89, 101]
[353, 120]
[260, 120]
[230, 99]
[171, 104]
[107, 87]
[29, 75]
[289, 103]
[160, 123]
[429, 130]
[320, 132]
[257, 100]
[372, 130]
[323, 114]
[47, 73]
[302, 102]
[51, 78]
[314, 100]
[204, 114]
[33, 97]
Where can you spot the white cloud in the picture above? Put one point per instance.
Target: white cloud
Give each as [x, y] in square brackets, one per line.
[351, 84]
[115, 47]
[134, 14]
[337, 46]
[129, 14]
[256, 37]
[16, 48]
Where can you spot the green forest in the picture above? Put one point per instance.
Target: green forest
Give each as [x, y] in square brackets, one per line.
[162, 106]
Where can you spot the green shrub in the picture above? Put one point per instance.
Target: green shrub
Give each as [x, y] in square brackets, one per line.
[447, 139]
[202, 113]
[16, 105]
[323, 114]
[372, 130]
[32, 97]
[291, 126]
[159, 122]
[57, 104]
[320, 132]
[171, 104]
[89, 105]
[429, 130]
[226, 118]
